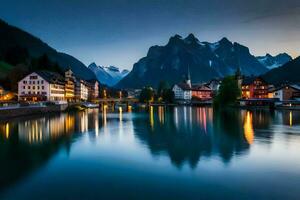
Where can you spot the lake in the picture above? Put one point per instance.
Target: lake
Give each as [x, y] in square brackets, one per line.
[162, 153]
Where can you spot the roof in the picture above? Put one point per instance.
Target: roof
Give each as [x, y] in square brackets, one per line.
[201, 87]
[184, 86]
[250, 79]
[294, 86]
[51, 77]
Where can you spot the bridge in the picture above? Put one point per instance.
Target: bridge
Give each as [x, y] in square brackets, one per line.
[125, 103]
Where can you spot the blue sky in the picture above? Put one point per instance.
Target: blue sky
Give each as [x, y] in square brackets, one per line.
[119, 32]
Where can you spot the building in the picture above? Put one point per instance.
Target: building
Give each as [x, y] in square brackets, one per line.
[183, 91]
[286, 92]
[42, 86]
[81, 90]
[214, 85]
[93, 90]
[133, 93]
[70, 82]
[254, 88]
[202, 92]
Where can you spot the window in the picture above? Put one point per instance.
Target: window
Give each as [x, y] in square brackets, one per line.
[29, 92]
[38, 82]
[24, 87]
[42, 82]
[33, 87]
[42, 87]
[29, 87]
[24, 82]
[38, 87]
[33, 77]
[33, 82]
[29, 82]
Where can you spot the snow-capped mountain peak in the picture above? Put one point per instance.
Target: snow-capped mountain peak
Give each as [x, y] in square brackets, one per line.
[272, 62]
[108, 75]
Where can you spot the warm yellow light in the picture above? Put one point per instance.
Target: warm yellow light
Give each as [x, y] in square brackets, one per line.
[161, 115]
[7, 130]
[291, 118]
[104, 114]
[248, 128]
[151, 117]
[129, 108]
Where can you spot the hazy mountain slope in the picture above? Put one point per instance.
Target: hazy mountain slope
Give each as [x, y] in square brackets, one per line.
[11, 36]
[290, 72]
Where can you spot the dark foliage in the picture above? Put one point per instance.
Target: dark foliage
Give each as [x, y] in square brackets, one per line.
[228, 93]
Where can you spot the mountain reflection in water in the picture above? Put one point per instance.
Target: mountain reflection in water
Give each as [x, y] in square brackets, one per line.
[184, 135]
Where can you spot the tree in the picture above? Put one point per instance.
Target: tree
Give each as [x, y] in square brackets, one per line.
[165, 93]
[15, 75]
[16, 55]
[163, 85]
[228, 93]
[168, 96]
[147, 95]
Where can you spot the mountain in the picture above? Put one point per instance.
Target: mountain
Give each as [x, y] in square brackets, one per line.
[11, 37]
[205, 61]
[108, 75]
[286, 73]
[272, 62]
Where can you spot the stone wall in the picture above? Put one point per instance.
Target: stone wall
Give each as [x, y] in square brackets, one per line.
[23, 111]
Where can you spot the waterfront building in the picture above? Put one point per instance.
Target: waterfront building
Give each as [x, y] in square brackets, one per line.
[42, 86]
[254, 88]
[286, 92]
[93, 90]
[70, 82]
[214, 85]
[133, 93]
[202, 92]
[183, 91]
[81, 90]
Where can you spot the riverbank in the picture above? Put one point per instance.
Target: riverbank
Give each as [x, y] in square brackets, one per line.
[17, 111]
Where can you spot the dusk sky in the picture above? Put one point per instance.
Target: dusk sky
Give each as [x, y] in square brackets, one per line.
[120, 32]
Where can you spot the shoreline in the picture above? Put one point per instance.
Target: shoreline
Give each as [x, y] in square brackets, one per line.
[14, 112]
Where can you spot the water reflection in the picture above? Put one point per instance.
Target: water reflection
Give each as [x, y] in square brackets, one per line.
[28, 143]
[184, 135]
[248, 128]
[191, 134]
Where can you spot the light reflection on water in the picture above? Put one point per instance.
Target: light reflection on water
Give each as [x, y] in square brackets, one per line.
[163, 141]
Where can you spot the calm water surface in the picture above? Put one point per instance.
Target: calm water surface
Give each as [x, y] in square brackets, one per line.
[174, 153]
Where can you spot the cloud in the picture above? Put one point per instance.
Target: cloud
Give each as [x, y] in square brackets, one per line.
[279, 13]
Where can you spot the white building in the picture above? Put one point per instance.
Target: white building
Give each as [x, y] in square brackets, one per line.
[182, 92]
[42, 86]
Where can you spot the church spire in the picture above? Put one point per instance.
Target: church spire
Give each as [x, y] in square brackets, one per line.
[188, 77]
